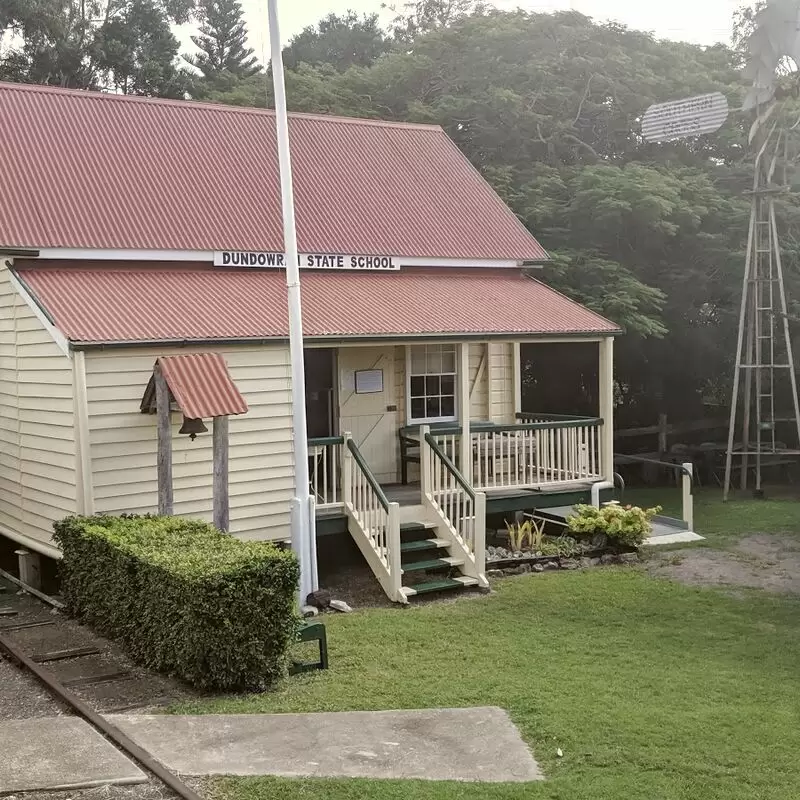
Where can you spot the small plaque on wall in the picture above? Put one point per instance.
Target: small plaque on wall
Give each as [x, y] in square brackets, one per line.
[369, 381]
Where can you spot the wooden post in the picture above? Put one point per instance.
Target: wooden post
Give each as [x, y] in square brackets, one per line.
[466, 436]
[425, 477]
[393, 541]
[517, 380]
[83, 456]
[347, 472]
[687, 496]
[606, 394]
[220, 489]
[164, 444]
[30, 572]
[662, 436]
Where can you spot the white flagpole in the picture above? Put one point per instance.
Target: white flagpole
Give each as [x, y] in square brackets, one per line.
[301, 522]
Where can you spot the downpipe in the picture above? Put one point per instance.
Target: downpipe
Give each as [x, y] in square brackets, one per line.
[599, 487]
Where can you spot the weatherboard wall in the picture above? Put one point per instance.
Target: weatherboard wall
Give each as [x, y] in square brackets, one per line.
[124, 441]
[37, 439]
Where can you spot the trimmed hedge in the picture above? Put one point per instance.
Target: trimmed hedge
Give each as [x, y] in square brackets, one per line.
[182, 597]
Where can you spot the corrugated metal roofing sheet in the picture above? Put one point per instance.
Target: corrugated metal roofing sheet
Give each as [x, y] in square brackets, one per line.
[91, 170]
[113, 305]
[201, 385]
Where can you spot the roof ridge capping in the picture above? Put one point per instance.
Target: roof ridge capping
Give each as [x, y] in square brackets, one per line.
[199, 105]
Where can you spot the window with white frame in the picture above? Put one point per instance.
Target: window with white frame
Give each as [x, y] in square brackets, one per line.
[431, 370]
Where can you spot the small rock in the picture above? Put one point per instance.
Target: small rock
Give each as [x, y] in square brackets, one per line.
[628, 558]
[309, 611]
[600, 541]
[560, 753]
[494, 573]
[586, 563]
[525, 568]
[340, 605]
[595, 561]
[551, 565]
[320, 599]
[608, 558]
[537, 568]
[569, 563]
[515, 570]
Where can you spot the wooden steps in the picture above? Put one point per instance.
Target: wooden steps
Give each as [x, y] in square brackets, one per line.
[427, 563]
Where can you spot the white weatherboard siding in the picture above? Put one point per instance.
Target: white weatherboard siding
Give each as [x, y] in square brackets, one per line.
[124, 441]
[501, 382]
[37, 440]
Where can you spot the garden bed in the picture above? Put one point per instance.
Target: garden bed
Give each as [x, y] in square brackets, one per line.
[521, 563]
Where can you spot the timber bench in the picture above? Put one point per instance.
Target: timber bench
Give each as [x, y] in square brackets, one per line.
[410, 442]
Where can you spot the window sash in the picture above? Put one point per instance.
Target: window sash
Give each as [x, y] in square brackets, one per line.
[432, 385]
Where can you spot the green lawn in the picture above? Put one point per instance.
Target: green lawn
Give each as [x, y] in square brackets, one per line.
[724, 523]
[653, 690]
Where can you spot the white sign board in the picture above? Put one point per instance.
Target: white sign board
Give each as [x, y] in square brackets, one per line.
[369, 381]
[249, 260]
[679, 119]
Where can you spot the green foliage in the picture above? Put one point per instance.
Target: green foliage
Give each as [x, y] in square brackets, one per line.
[624, 525]
[224, 55]
[126, 46]
[339, 42]
[563, 545]
[525, 534]
[182, 597]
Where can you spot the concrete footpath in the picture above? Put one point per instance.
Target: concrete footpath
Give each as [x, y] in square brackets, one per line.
[463, 744]
[54, 753]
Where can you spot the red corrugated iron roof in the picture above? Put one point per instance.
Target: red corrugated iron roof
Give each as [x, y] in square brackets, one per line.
[200, 384]
[92, 170]
[119, 305]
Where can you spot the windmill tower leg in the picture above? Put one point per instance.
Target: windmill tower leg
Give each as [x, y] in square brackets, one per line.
[739, 351]
[786, 334]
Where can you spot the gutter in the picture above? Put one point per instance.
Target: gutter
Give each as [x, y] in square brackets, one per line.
[18, 252]
[345, 340]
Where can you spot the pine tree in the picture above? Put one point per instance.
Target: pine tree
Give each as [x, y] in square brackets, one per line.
[222, 42]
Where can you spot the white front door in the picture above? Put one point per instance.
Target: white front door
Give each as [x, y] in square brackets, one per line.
[368, 406]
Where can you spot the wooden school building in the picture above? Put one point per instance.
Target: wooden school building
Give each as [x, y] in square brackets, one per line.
[141, 246]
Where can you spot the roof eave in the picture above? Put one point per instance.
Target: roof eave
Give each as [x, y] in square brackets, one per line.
[335, 339]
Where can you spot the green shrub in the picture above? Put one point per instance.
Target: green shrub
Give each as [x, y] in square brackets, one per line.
[182, 597]
[624, 525]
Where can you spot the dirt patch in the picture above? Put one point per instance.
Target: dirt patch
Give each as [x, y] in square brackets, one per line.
[761, 561]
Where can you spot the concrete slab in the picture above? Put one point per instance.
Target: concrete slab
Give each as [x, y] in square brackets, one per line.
[462, 744]
[674, 538]
[53, 753]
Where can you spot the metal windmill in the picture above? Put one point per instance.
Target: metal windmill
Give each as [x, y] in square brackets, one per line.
[765, 372]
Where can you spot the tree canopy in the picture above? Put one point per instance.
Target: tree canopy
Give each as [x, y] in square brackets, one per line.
[548, 108]
[124, 45]
[222, 42]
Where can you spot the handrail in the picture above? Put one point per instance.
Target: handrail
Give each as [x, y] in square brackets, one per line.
[622, 458]
[528, 426]
[367, 472]
[556, 417]
[326, 441]
[451, 467]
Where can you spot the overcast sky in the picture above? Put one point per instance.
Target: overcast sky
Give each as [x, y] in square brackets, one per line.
[700, 21]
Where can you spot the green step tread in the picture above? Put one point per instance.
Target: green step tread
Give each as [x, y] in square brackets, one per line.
[418, 566]
[418, 545]
[436, 586]
[414, 526]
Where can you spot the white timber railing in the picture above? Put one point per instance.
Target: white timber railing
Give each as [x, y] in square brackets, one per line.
[373, 521]
[529, 455]
[324, 468]
[460, 510]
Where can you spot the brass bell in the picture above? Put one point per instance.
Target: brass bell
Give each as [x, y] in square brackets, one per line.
[193, 427]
